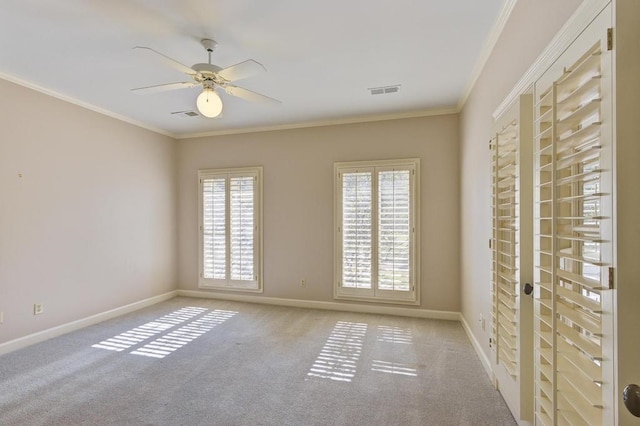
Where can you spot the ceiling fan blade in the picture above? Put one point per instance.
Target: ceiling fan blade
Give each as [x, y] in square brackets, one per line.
[164, 87]
[249, 95]
[242, 70]
[172, 62]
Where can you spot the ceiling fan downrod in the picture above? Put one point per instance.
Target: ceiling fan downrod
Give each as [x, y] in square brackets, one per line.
[209, 45]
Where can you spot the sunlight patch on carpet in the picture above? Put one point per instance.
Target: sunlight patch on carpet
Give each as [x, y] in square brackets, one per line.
[394, 368]
[143, 332]
[339, 356]
[395, 335]
[176, 339]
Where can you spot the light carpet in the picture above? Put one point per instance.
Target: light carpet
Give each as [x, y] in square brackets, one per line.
[207, 362]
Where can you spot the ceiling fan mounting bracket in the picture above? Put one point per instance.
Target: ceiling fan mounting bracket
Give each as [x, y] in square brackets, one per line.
[208, 44]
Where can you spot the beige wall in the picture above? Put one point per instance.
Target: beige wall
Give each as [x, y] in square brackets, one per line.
[298, 199]
[90, 224]
[531, 26]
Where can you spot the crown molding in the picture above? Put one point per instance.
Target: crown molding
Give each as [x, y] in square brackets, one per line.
[321, 123]
[86, 105]
[178, 136]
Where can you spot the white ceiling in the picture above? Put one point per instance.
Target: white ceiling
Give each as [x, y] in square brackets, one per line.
[321, 56]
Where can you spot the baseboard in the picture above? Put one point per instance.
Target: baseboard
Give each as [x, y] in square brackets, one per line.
[476, 345]
[332, 306]
[41, 336]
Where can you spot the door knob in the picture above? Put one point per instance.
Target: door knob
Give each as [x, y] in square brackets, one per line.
[527, 288]
[631, 398]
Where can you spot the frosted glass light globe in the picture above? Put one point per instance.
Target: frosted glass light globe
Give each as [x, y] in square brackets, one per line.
[209, 103]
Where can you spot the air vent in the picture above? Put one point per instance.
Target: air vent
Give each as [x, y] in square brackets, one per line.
[185, 114]
[384, 90]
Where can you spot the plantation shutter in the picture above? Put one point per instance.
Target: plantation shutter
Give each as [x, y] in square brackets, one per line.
[512, 255]
[506, 255]
[376, 233]
[230, 218]
[573, 245]
[578, 237]
[357, 205]
[394, 220]
[214, 194]
[241, 233]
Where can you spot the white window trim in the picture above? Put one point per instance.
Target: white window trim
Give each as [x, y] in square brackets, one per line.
[381, 296]
[255, 286]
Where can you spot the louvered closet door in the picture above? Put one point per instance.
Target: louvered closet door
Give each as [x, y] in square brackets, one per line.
[573, 235]
[506, 268]
[512, 194]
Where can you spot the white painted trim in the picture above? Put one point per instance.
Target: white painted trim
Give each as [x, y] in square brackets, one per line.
[490, 43]
[41, 336]
[74, 101]
[478, 348]
[337, 122]
[332, 306]
[584, 14]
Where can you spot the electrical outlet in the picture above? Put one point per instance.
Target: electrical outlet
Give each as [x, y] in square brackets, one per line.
[303, 282]
[38, 308]
[1, 317]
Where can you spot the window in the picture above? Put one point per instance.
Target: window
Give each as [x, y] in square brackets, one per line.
[230, 213]
[376, 241]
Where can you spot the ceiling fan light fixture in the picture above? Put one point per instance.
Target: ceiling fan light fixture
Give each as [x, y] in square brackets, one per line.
[209, 103]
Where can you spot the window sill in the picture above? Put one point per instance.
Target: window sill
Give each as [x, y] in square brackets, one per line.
[209, 286]
[386, 300]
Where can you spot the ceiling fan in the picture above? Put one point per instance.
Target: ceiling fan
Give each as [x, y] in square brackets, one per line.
[210, 77]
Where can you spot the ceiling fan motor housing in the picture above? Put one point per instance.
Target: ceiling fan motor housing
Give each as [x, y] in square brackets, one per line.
[206, 68]
[207, 73]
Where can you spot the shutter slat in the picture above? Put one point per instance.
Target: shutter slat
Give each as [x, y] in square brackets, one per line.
[586, 366]
[585, 344]
[578, 137]
[547, 354]
[543, 418]
[577, 116]
[579, 279]
[580, 319]
[574, 404]
[588, 89]
[579, 299]
[545, 369]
